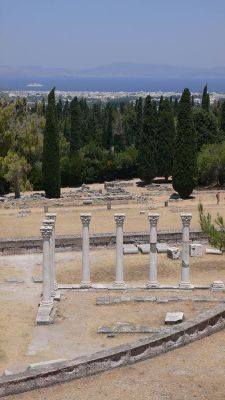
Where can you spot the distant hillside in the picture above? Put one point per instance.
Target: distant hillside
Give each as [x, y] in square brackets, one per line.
[119, 70]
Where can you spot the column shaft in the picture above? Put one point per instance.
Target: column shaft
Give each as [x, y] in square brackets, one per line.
[119, 282]
[86, 281]
[153, 279]
[47, 281]
[185, 269]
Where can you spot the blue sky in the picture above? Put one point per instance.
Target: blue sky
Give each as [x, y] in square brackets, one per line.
[78, 34]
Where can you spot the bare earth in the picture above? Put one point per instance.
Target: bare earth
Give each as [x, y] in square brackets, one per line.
[194, 372]
[68, 218]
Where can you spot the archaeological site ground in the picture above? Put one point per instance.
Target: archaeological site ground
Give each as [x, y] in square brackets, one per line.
[84, 300]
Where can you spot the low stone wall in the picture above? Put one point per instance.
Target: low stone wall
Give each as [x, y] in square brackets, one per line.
[74, 242]
[203, 325]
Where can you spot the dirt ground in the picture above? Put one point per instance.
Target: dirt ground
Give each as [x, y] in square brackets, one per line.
[68, 217]
[78, 316]
[194, 372]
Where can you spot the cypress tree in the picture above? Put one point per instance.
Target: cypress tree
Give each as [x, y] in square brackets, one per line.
[139, 121]
[222, 119]
[184, 165]
[165, 139]
[205, 99]
[51, 162]
[147, 146]
[76, 124]
[107, 138]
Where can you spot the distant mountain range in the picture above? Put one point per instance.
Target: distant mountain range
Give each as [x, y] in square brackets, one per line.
[117, 70]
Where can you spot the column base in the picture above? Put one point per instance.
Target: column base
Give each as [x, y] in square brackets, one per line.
[152, 285]
[185, 285]
[119, 285]
[85, 285]
[45, 314]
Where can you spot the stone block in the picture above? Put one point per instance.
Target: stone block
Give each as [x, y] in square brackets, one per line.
[173, 318]
[87, 201]
[173, 253]
[161, 247]
[127, 327]
[144, 248]
[15, 369]
[195, 250]
[130, 249]
[213, 251]
[218, 285]
[47, 364]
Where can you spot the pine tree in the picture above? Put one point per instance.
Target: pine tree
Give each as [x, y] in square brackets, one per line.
[147, 146]
[50, 163]
[76, 121]
[184, 166]
[165, 139]
[205, 99]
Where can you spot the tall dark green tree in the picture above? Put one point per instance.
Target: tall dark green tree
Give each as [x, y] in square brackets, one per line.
[50, 162]
[147, 146]
[206, 127]
[107, 138]
[76, 126]
[139, 120]
[205, 99]
[165, 139]
[222, 117]
[185, 154]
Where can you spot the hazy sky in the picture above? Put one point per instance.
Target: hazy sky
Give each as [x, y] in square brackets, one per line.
[86, 33]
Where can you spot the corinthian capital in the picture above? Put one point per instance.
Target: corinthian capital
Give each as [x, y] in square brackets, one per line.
[153, 219]
[119, 218]
[186, 219]
[46, 231]
[85, 219]
[50, 216]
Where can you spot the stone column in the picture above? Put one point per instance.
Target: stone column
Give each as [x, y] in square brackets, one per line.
[85, 219]
[153, 281]
[185, 280]
[46, 232]
[119, 282]
[52, 216]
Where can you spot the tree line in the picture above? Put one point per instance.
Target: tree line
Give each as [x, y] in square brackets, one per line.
[68, 143]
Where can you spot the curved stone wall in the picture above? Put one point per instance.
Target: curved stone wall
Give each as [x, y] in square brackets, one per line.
[201, 326]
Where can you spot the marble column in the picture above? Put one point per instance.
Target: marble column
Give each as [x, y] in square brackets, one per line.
[51, 223]
[185, 279]
[46, 232]
[119, 282]
[86, 281]
[52, 216]
[153, 280]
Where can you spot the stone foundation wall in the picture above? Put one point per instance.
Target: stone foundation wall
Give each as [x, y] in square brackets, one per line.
[74, 242]
[203, 325]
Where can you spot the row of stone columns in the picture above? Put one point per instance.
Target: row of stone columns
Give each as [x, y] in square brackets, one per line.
[153, 279]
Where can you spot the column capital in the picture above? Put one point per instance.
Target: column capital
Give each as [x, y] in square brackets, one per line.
[85, 219]
[153, 218]
[50, 216]
[49, 222]
[119, 218]
[186, 219]
[46, 231]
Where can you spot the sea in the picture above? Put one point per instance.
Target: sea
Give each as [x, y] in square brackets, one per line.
[113, 84]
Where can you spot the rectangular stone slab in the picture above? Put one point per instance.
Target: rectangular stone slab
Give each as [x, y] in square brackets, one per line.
[196, 250]
[144, 248]
[173, 253]
[174, 317]
[213, 251]
[127, 327]
[161, 247]
[130, 249]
